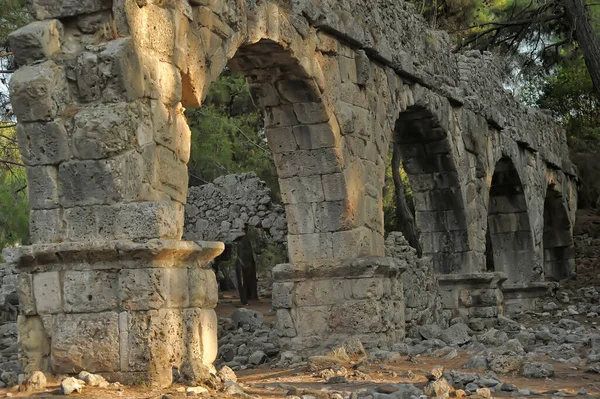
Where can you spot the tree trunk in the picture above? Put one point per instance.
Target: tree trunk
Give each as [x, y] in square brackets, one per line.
[586, 38]
[405, 221]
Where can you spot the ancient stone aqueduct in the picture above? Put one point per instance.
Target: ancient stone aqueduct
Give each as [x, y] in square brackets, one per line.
[108, 286]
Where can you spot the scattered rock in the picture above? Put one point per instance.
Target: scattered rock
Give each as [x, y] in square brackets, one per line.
[93, 380]
[458, 334]
[258, 357]
[36, 382]
[538, 370]
[317, 363]
[70, 385]
[248, 317]
[196, 390]
[227, 374]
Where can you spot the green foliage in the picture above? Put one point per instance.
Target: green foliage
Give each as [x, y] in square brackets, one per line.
[389, 196]
[227, 135]
[14, 210]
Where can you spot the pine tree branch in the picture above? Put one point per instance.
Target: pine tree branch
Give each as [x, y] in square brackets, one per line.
[7, 162]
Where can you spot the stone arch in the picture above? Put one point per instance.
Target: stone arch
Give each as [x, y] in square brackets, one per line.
[559, 262]
[509, 240]
[439, 205]
[304, 140]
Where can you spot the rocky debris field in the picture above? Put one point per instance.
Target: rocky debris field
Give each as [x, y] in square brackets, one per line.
[552, 353]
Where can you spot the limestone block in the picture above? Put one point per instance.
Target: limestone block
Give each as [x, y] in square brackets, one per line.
[297, 190]
[282, 295]
[332, 216]
[89, 79]
[42, 187]
[308, 321]
[298, 91]
[311, 113]
[178, 288]
[38, 91]
[347, 69]
[101, 182]
[281, 139]
[46, 226]
[121, 71]
[308, 162]
[162, 80]
[103, 132]
[334, 187]
[137, 221]
[43, 143]
[310, 137]
[143, 289]
[357, 316]
[203, 288]
[285, 324]
[201, 335]
[171, 129]
[280, 116]
[365, 288]
[156, 343]
[318, 292]
[25, 294]
[300, 218]
[264, 94]
[307, 247]
[89, 291]
[173, 174]
[73, 350]
[45, 9]
[355, 243]
[47, 292]
[34, 344]
[36, 41]
[363, 68]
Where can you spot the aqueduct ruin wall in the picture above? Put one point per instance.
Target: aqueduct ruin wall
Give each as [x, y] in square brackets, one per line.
[99, 99]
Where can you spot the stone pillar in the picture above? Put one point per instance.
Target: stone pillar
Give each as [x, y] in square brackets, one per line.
[130, 311]
[319, 306]
[476, 296]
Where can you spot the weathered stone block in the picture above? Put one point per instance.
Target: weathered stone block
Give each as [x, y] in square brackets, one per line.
[137, 221]
[203, 288]
[298, 190]
[308, 321]
[43, 143]
[357, 316]
[36, 92]
[310, 137]
[282, 295]
[173, 174]
[156, 343]
[103, 132]
[280, 116]
[90, 291]
[46, 225]
[143, 289]
[178, 288]
[36, 41]
[73, 350]
[332, 216]
[121, 71]
[334, 187]
[281, 139]
[47, 292]
[285, 323]
[42, 187]
[171, 129]
[311, 113]
[25, 294]
[318, 292]
[355, 243]
[308, 162]
[306, 247]
[44, 9]
[34, 344]
[300, 218]
[201, 335]
[101, 182]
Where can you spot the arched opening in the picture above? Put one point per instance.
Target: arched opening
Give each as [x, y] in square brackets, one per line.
[295, 130]
[509, 241]
[440, 217]
[559, 262]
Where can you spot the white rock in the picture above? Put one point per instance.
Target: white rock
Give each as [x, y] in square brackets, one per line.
[70, 385]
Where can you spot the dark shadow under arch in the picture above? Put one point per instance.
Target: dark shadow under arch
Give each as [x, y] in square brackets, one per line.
[559, 262]
[509, 241]
[439, 206]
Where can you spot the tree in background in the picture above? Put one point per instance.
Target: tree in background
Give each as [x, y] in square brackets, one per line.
[14, 210]
[228, 135]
